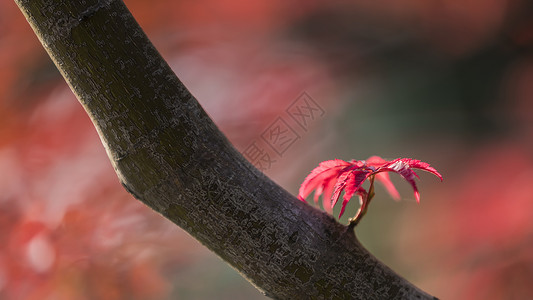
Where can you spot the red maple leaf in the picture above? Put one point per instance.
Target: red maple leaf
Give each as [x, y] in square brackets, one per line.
[332, 177]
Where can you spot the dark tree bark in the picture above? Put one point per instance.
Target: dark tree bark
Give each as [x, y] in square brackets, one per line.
[169, 155]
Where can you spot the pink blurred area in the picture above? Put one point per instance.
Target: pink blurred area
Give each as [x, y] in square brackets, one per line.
[446, 82]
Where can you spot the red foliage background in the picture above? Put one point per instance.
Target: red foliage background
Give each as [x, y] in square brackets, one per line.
[445, 81]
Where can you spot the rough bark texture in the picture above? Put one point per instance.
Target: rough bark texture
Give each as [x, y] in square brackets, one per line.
[169, 155]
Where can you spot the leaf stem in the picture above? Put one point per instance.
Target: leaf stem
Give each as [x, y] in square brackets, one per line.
[364, 205]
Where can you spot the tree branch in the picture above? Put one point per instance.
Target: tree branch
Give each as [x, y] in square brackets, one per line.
[169, 155]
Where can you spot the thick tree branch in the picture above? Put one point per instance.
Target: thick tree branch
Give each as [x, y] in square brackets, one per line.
[169, 154]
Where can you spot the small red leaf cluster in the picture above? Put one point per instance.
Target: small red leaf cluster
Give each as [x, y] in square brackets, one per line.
[332, 177]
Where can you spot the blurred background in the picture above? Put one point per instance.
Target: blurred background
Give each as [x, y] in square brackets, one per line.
[447, 82]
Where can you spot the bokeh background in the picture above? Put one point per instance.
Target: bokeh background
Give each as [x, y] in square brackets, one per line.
[448, 82]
